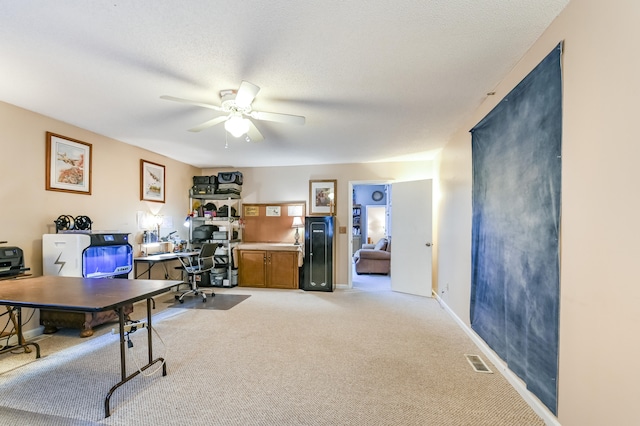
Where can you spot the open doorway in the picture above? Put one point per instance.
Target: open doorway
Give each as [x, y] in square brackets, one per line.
[370, 221]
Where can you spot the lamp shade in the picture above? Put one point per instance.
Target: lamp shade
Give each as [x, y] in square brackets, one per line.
[297, 222]
[237, 126]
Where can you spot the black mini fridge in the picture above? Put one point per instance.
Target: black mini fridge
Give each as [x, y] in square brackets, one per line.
[318, 253]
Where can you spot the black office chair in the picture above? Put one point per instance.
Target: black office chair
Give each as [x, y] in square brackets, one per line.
[196, 266]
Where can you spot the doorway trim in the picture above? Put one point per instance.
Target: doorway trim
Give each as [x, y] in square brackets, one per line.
[353, 183]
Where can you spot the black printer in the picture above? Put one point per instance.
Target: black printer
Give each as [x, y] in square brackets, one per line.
[11, 261]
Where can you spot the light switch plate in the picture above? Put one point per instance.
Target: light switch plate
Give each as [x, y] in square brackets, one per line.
[342, 229]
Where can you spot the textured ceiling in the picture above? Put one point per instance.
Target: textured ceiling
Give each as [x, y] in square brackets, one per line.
[376, 80]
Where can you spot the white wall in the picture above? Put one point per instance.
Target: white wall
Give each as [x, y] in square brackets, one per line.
[600, 289]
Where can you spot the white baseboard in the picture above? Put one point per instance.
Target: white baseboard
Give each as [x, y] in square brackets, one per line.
[28, 335]
[533, 401]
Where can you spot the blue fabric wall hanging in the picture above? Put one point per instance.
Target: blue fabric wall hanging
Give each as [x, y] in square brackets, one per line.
[515, 284]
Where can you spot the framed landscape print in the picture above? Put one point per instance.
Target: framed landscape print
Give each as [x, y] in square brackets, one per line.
[68, 165]
[322, 197]
[151, 181]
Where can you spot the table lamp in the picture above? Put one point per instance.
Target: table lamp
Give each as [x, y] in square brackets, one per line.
[297, 222]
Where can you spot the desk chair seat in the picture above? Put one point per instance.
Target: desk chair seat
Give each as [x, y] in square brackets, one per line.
[195, 267]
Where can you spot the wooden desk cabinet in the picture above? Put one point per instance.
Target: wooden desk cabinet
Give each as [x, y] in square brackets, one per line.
[268, 268]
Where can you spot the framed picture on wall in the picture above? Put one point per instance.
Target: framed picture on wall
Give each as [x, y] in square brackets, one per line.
[322, 197]
[68, 167]
[151, 181]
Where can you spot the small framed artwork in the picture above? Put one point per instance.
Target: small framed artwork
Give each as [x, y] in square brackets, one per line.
[251, 211]
[272, 210]
[151, 181]
[68, 167]
[322, 197]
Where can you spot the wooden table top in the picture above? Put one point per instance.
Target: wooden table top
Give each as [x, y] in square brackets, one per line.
[79, 294]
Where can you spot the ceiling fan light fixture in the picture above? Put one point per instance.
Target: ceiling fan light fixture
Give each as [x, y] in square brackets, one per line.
[238, 114]
[237, 126]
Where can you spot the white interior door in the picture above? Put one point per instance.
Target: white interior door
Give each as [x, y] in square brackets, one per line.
[411, 244]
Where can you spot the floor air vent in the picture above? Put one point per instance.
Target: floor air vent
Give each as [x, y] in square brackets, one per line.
[478, 364]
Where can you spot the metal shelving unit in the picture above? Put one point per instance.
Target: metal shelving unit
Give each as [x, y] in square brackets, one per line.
[202, 205]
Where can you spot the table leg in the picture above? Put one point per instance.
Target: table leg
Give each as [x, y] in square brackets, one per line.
[17, 324]
[148, 271]
[21, 340]
[149, 337]
[123, 368]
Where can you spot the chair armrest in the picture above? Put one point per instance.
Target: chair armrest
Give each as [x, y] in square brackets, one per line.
[374, 254]
[368, 246]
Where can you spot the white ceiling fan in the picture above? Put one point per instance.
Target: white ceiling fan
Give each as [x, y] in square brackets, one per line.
[236, 104]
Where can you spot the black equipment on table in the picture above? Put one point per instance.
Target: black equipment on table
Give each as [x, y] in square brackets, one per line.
[11, 261]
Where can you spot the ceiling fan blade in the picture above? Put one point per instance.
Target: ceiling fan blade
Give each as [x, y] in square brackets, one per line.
[190, 102]
[246, 94]
[253, 133]
[279, 118]
[209, 123]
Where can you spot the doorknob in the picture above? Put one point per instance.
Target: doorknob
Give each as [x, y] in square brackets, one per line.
[428, 244]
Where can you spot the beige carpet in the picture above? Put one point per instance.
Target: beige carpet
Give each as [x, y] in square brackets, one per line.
[281, 357]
